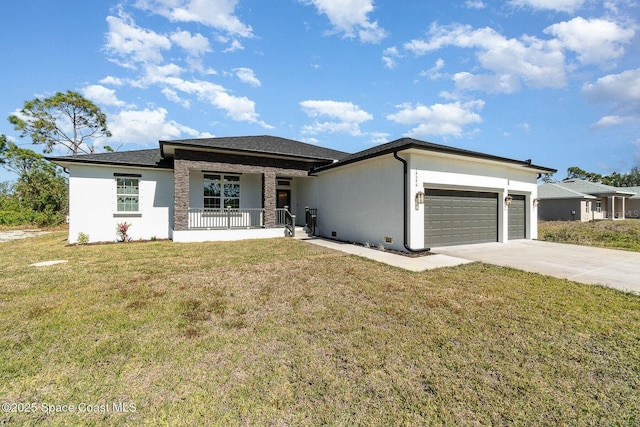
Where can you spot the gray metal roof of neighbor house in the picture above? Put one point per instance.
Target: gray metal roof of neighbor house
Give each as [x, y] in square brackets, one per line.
[409, 143]
[595, 188]
[262, 144]
[635, 190]
[139, 158]
[552, 190]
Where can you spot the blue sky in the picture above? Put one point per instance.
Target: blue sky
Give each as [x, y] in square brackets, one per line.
[557, 81]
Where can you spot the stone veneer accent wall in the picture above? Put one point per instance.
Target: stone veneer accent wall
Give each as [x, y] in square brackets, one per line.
[184, 161]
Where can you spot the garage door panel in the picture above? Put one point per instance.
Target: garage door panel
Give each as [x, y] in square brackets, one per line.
[460, 217]
[517, 218]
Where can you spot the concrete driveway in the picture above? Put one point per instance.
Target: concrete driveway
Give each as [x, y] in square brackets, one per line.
[584, 264]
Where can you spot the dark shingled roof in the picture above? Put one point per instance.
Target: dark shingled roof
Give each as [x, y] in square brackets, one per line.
[263, 144]
[407, 143]
[272, 145]
[146, 158]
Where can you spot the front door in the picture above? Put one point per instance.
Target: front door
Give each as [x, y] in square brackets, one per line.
[283, 198]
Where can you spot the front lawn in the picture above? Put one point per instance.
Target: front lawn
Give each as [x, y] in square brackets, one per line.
[623, 234]
[280, 332]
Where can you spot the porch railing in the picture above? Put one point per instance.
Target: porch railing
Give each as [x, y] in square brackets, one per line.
[205, 218]
[286, 219]
[310, 219]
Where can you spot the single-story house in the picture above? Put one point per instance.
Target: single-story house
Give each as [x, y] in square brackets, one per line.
[407, 195]
[581, 200]
[632, 207]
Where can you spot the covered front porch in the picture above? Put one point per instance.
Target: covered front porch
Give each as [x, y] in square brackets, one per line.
[612, 206]
[254, 198]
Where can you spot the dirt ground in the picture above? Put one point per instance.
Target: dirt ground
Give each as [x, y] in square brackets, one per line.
[5, 236]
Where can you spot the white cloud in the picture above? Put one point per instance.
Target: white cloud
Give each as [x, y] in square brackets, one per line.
[622, 91]
[237, 108]
[195, 45]
[132, 43]
[438, 119]
[351, 18]
[535, 62]
[474, 4]
[608, 121]
[113, 81]
[492, 83]
[434, 73]
[346, 117]
[235, 45]
[158, 73]
[389, 56]
[620, 88]
[173, 96]
[102, 95]
[246, 75]
[596, 41]
[142, 49]
[218, 14]
[568, 6]
[147, 126]
[377, 138]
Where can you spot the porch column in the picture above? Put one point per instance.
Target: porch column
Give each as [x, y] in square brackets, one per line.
[269, 198]
[612, 202]
[623, 213]
[180, 195]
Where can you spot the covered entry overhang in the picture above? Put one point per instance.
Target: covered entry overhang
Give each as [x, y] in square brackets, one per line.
[614, 203]
[268, 169]
[231, 188]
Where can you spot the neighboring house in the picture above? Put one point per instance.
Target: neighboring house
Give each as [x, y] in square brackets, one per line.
[405, 195]
[581, 200]
[632, 207]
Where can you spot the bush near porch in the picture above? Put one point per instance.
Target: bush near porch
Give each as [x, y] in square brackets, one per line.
[619, 234]
[280, 332]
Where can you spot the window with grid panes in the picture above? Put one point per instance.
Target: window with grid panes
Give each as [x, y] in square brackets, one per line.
[127, 194]
[221, 191]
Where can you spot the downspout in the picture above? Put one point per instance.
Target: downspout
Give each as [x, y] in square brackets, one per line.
[404, 206]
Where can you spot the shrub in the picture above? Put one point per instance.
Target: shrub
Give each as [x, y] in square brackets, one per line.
[83, 238]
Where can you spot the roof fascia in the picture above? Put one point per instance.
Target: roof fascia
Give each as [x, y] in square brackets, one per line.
[451, 152]
[68, 162]
[171, 147]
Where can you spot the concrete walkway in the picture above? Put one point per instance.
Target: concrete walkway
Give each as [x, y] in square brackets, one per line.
[614, 268]
[584, 264]
[408, 263]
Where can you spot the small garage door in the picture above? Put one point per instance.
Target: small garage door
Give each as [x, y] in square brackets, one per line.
[459, 217]
[517, 218]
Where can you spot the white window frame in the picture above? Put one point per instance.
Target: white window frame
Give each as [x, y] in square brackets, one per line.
[226, 183]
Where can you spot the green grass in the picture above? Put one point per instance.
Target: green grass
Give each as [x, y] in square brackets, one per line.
[280, 332]
[623, 234]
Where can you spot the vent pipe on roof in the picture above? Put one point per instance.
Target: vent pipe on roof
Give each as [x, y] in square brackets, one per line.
[405, 195]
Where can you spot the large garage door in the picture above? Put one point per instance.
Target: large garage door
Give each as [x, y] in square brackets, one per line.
[517, 218]
[459, 217]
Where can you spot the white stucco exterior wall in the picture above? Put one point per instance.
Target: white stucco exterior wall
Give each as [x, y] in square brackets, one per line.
[306, 192]
[92, 203]
[362, 202]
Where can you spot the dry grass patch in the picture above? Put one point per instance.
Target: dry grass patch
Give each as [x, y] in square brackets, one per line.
[278, 332]
[622, 234]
